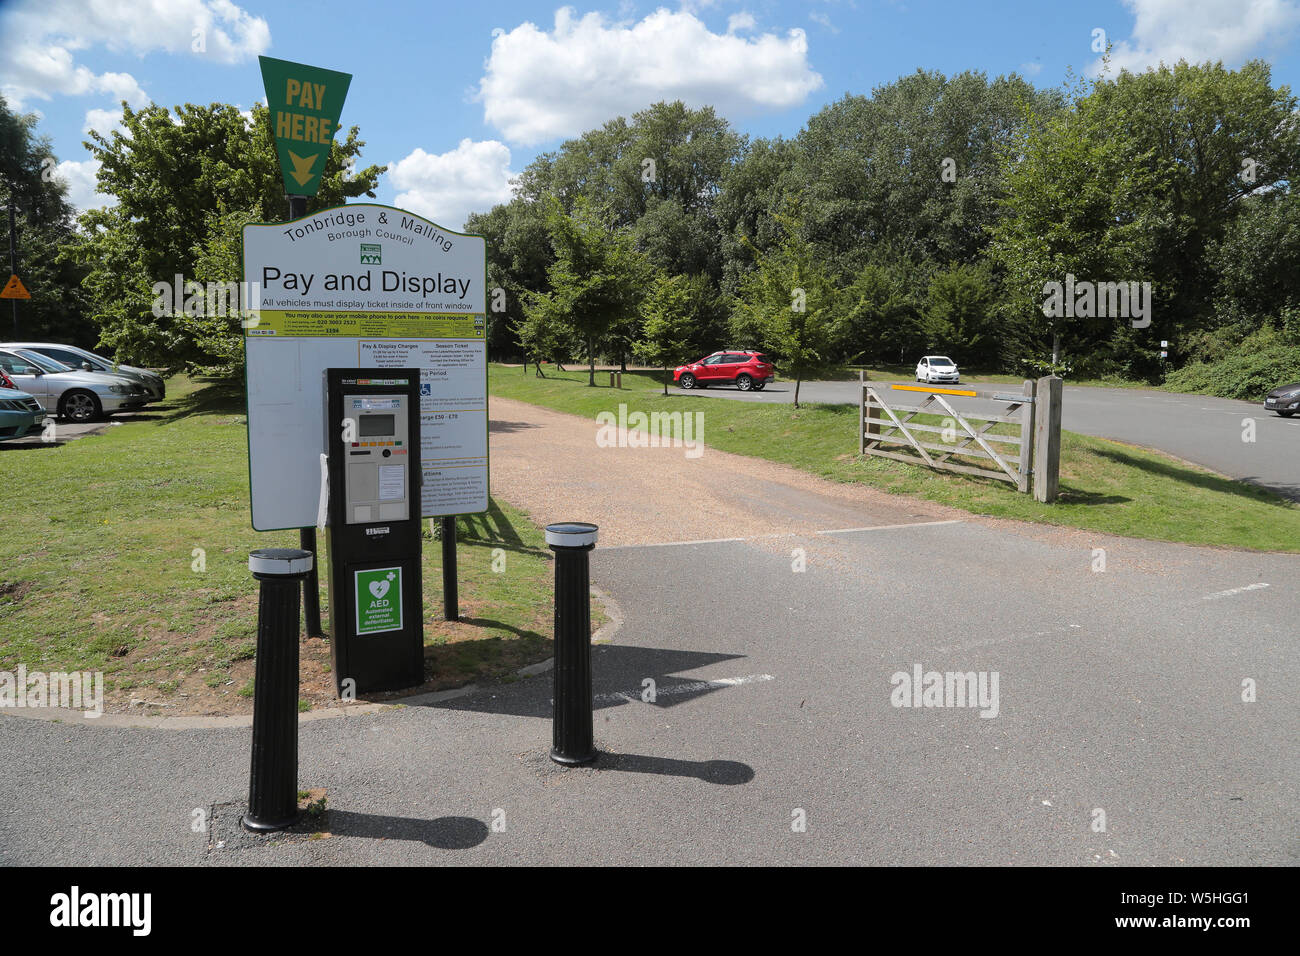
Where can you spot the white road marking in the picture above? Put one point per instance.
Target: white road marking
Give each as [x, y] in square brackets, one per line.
[1231, 591]
[670, 544]
[890, 527]
[693, 687]
[986, 642]
[786, 534]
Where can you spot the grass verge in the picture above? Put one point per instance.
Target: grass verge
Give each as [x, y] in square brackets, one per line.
[1106, 486]
[127, 552]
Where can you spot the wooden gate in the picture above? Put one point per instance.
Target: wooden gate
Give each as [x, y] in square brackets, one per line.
[993, 445]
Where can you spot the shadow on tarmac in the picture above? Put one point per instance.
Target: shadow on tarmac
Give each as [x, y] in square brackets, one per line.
[443, 833]
[725, 772]
[617, 672]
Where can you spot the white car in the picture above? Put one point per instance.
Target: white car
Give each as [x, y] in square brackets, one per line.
[937, 369]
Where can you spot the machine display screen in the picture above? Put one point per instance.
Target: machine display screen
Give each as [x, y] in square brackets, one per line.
[372, 425]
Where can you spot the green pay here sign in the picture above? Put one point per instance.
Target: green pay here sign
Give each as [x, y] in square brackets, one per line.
[379, 600]
[305, 103]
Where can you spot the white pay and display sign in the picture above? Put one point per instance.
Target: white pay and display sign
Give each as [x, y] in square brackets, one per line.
[363, 286]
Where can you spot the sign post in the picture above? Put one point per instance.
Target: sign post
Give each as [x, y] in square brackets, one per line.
[364, 286]
[14, 288]
[305, 103]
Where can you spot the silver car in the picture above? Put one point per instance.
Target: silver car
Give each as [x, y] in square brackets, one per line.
[75, 357]
[71, 393]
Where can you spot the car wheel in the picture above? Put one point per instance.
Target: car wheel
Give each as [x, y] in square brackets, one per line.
[1286, 414]
[759, 386]
[687, 380]
[79, 406]
[744, 383]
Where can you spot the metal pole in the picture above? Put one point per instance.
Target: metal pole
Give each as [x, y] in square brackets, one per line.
[307, 536]
[273, 772]
[13, 254]
[450, 590]
[573, 740]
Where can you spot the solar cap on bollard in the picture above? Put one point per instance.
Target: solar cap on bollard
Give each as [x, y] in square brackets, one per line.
[571, 534]
[273, 770]
[279, 562]
[573, 739]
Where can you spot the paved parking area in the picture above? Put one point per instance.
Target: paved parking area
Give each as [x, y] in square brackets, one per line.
[1112, 728]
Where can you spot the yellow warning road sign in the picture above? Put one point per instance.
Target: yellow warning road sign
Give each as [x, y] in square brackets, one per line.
[14, 289]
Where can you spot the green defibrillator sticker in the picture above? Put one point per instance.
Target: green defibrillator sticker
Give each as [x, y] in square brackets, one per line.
[379, 600]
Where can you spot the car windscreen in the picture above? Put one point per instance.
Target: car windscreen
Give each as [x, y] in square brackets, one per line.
[43, 362]
[941, 360]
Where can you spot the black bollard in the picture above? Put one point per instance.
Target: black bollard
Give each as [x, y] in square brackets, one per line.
[273, 773]
[450, 591]
[573, 740]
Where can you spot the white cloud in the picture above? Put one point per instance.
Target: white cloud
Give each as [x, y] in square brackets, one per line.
[80, 177]
[447, 187]
[103, 122]
[543, 85]
[37, 62]
[823, 20]
[1199, 30]
[740, 21]
[1030, 68]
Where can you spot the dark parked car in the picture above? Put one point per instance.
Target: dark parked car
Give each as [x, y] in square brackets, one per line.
[745, 370]
[1285, 400]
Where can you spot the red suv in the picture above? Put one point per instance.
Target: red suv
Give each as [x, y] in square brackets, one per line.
[745, 370]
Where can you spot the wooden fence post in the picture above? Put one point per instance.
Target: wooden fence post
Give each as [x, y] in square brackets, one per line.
[1027, 436]
[1047, 438]
[862, 411]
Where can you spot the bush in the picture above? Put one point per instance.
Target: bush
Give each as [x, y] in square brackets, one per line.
[1261, 363]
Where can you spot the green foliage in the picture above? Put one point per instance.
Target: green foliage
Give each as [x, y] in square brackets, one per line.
[666, 327]
[1263, 361]
[175, 178]
[1078, 203]
[959, 314]
[44, 228]
[879, 316]
[786, 308]
[518, 256]
[913, 168]
[595, 286]
[1256, 264]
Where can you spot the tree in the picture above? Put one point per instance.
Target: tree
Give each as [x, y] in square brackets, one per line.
[44, 225]
[786, 307]
[658, 174]
[174, 179]
[666, 328]
[959, 317]
[913, 167]
[879, 318]
[544, 333]
[1214, 137]
[595, 281]
[518, 256]
[1078, 202]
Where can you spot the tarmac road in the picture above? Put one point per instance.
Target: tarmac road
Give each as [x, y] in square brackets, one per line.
[1207, 431]
[1119, 693]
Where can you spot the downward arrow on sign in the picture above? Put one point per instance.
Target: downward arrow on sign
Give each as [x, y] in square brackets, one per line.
[301, 167]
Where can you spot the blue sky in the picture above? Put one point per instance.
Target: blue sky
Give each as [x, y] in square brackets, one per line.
[461, 96]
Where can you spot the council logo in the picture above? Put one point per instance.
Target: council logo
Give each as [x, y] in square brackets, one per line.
[371, 254]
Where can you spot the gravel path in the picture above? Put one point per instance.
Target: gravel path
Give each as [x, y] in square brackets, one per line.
[549, 464]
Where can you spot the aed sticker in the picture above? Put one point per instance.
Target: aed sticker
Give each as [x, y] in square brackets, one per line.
[379, 600]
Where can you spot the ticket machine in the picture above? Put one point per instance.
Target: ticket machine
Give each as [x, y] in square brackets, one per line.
[376, 598]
